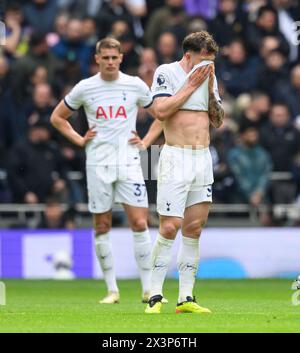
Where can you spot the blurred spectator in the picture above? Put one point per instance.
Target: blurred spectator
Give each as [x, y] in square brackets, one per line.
[74, 160]
[9, 114]
[40, 14]
[131, 54]
[80, 7]
[222, 140]
[35, 168]
[17, 35]
[167, 48]
[72, 48]
[270, 43]
[110, 12]
[138, 9]
[119, 28]
[280, 138]
[273, 73]
[257, 112]
[170, 17]
[39, 75]
[54, 217]
[251, 8]
[289, 93]
[266, 24]
[148, 65]
[238, 72]
[60, 28]
[89, 29]
[250, 165]
[282, 141]
[227, 25]
[38, 55]
[41, 105]
[196, 25]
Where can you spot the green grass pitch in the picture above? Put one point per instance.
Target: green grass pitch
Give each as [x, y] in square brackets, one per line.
[71, 306]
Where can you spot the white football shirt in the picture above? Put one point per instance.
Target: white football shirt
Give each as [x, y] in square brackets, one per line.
[112, 107]
[169, 78]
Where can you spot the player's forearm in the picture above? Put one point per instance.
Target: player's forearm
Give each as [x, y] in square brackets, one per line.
[215, 111]
[66, 129]
[153, 133]
[167, 107]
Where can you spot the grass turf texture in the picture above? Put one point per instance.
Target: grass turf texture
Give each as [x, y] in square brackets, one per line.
[237, 305]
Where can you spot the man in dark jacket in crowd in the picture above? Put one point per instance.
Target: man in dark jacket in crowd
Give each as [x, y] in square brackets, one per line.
[35, 168]
[282, 140]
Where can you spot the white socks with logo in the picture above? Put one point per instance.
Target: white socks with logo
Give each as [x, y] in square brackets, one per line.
[142, 252]
[105, 257]
[187, 262]
[161, 258]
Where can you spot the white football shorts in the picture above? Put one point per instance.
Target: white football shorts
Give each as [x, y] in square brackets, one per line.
[185, 178]
[120, 184]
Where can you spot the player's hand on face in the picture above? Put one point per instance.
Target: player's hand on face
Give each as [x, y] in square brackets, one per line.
[200, 75]
[89, 135]
[137, 141]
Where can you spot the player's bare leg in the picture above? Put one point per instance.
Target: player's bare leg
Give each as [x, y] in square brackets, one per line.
[161, 258]
[102, 225]
[194, 220]
[137, 219]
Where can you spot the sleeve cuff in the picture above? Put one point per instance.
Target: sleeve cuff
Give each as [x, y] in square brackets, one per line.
[69, 105]
[148, 105]
[162, 95]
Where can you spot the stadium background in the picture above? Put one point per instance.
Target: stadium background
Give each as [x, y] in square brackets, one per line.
[49, 47]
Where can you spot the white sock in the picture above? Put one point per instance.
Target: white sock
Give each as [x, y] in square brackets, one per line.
[187, 262]
[161, 258]
[142, 252]
[105, 257]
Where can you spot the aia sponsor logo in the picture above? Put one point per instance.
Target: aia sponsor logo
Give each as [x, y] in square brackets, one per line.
[111, 112]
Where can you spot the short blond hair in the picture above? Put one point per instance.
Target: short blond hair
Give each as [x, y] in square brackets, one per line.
[108, 43]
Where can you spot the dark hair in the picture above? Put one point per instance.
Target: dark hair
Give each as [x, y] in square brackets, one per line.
[279, 103]
[37, 38]
[13, 6]
[40, 125]
[108, 43]
[266, 8]
[90, 18]
[52, 200]
[247, 125]
[200, 40]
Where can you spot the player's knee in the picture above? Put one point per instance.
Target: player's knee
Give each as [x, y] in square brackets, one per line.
[169, 229]
[139, 225]
[194, 227]
[102, 228]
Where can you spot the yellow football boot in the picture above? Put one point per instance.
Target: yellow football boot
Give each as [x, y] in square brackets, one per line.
[190, 306]
[154, 305]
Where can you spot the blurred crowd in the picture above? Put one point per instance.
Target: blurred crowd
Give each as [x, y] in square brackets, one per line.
[50, 47]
